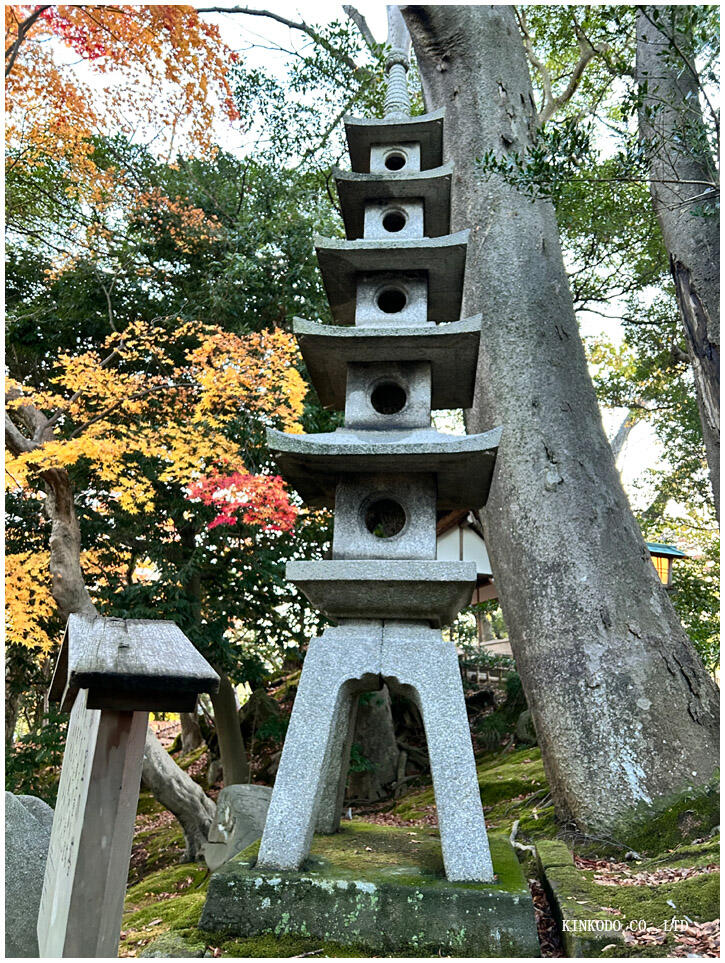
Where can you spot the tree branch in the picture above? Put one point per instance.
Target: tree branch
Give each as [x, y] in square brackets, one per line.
[12, 51]
[15, 440]
[300, 25]
[362, 25]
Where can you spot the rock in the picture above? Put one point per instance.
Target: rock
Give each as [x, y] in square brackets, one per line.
[525, 731]
[28, 822]
[174, 945]
[239, 821]
[259, 709]
[482, 699]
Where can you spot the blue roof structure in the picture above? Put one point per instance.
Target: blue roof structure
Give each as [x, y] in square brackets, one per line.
[659, 548]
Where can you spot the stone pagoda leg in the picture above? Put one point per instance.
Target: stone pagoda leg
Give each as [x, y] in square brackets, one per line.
[341, 662]
[332, 795]
[417, 657]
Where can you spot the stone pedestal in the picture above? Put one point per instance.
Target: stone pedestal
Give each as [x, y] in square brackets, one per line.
[413, 659]
[394, 899]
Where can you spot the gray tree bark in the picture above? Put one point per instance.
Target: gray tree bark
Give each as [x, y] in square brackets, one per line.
[235, 766]
[375, 734]
[683, 178]
[624, 708]
[178, 792]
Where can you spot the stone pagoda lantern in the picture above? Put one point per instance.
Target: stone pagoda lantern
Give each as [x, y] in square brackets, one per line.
[396, 352]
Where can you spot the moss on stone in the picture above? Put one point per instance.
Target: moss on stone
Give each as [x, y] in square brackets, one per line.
[577, 897]
[380, 854]
[380, 886]
[268, 945]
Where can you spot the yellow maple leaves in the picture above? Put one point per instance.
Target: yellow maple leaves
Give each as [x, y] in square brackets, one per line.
[28, 602]
[138, 403]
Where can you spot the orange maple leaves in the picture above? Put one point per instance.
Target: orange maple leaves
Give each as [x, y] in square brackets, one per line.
[165, 70]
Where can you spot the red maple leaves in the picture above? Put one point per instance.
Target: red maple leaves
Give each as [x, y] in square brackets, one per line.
[252, 499]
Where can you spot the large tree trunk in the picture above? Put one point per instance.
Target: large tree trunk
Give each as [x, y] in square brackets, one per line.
[624, 709]
[235, 766]
[178, 792]
[375, 736]
[681, 168]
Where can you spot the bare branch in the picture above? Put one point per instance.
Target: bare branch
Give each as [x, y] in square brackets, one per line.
[300, 25]
[588, 52]
[362, 25]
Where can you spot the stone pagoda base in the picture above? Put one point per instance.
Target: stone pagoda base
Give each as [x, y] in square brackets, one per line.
[382, 888]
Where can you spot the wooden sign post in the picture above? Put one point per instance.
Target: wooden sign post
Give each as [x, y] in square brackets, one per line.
[110, 674]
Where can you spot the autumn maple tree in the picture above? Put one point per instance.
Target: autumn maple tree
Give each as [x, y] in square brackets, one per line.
[164, 69]
[138, 406]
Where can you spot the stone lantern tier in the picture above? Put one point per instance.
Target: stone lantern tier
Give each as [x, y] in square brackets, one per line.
[460, 466]
[427, 591]
[373, 143]
[406, 281]
[366, 197]
[451, 350]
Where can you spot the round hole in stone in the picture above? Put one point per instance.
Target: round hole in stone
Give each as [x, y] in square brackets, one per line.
[394, 221]
[395, 160]
[384, 518]
[388, 398]
[392, 300]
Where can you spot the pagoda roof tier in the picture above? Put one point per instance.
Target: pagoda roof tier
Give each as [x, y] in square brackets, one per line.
[314, 464]
[451, 349]
[442, 259]
[386, 588]
[433, 187]
[427, 130]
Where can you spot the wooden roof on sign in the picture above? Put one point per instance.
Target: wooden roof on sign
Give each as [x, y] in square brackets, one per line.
[130, 664]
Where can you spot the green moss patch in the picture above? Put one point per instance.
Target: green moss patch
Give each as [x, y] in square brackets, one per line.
[687, 815]
[379, 854]
[156, 847]
[577, 897]
[503, 777]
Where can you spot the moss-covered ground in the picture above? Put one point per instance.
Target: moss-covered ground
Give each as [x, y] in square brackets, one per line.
[165, 897]
[647, 905]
